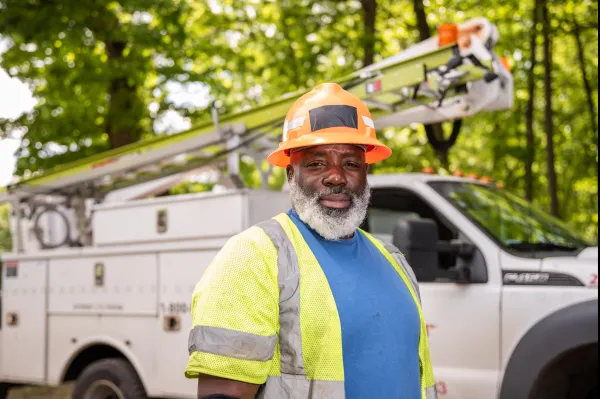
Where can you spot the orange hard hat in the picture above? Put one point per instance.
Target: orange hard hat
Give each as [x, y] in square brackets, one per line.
[328, 114]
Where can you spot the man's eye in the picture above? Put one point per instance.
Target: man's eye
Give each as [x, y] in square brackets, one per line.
[315, 164]
[352, 165]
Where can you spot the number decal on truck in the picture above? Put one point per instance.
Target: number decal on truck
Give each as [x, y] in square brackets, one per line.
[594, 280]
[175, 307]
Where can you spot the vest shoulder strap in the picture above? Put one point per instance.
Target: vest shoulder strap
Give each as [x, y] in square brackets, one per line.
[290, 341]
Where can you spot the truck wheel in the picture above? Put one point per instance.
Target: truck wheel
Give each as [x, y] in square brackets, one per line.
[573, 375]
[3, 390]
[109, 379]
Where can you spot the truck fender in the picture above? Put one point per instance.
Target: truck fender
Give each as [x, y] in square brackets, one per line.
[566, 329]
[106, 341]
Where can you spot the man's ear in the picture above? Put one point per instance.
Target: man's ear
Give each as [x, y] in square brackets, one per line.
[289, 171]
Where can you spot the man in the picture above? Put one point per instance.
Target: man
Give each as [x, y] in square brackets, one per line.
[306, 305]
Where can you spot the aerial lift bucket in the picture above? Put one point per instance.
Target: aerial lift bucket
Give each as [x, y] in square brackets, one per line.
[473, 80]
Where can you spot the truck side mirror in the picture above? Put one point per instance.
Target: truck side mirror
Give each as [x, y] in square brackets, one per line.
[417, 239]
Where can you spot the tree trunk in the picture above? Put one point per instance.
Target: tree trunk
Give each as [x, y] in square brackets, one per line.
[435, 132]
[369, 18]
[529, 114]
[122, 122]
[422, 25]
[552, 180]
[586, 83]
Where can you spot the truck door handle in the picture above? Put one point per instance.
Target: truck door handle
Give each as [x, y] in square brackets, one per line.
[161, 221]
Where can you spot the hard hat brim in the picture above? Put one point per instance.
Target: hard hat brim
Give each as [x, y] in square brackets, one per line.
[378, 153]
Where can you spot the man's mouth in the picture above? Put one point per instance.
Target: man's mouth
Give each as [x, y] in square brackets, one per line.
[337, 201]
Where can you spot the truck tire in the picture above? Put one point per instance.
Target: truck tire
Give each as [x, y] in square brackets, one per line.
[572, 376]
[4, 390]
[109, 379]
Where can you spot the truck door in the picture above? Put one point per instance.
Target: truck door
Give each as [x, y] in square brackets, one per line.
[462, 319]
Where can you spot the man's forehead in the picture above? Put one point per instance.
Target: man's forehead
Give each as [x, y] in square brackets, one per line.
[349, 149]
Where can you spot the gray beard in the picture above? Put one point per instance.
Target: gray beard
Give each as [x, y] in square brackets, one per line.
[331, 224]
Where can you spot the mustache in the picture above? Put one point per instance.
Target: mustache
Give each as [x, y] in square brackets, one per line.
[337, 190]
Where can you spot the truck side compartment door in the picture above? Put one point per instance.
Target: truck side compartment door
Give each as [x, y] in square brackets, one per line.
[24, 320]
[462, 319]
[103, 298]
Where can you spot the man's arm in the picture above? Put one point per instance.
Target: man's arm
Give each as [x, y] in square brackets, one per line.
[221, 388]
[235, 315]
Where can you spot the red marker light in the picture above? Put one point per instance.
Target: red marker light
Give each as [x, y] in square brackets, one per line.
[102, 163]
[373, 87]
[11, 267]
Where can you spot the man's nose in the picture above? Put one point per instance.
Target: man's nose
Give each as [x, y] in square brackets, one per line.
[334, 177]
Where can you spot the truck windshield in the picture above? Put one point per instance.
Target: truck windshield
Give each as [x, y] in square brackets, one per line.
[511, 221]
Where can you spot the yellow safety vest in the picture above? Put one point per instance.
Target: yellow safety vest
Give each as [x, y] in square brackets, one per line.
[263, 313]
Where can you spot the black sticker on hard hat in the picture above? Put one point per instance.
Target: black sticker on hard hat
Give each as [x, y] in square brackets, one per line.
[333, 116]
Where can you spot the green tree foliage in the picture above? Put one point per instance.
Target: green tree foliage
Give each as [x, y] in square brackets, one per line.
[270, 48]
[190, 187]
[95, 67]
[251, 51]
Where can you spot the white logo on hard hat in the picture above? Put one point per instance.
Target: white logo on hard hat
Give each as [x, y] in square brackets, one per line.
[368, 121]
[295, 123]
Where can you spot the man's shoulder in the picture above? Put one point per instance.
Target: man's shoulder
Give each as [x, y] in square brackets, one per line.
[256, 235]
[249, 253]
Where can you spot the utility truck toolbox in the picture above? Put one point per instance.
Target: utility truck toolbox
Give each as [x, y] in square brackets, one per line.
[183, 217]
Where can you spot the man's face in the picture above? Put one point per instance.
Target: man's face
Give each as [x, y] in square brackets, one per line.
[329, 188]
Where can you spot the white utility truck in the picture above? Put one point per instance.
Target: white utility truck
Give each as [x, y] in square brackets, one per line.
[98, 287]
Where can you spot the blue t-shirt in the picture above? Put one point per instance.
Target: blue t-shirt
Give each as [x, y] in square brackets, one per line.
[380, 322]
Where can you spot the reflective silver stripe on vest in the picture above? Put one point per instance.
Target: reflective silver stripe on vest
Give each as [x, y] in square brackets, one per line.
[298, 387]
[290, 337]
[395, 252]
[431, 393]
[230, 343]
